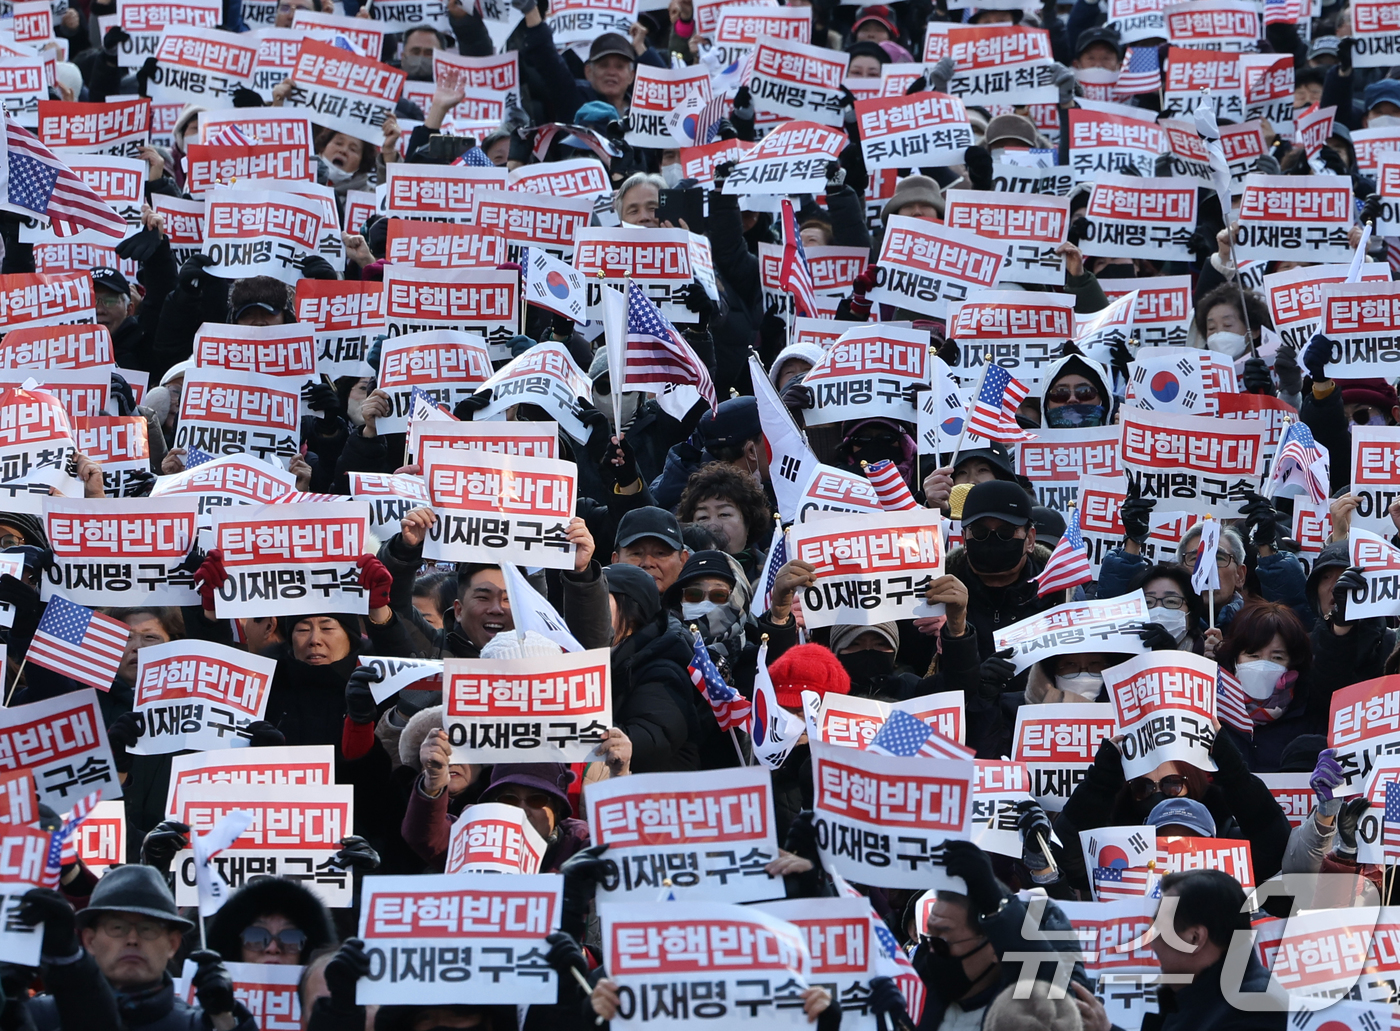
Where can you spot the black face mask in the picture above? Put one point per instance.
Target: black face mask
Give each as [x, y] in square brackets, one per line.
[1116, 272]
[866, 667]
[944, 971]
[1144, 808]
[995, 555]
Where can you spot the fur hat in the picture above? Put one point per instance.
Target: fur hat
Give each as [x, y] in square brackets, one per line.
[413, 736]
[263, 896]
[1038, 1013]
[808, 667]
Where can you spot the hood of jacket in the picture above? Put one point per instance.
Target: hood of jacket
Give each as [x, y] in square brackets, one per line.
[260, 897]
[1090, 370]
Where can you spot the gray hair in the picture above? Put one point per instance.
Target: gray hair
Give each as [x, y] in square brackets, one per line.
[1230, 540]
[632, 182]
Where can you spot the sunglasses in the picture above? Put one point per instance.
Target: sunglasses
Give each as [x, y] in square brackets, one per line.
[1082, 392]
[259, 938]
[982, 533]
[1172, 786]
[1361, 416]
[694, 595]
[943, 947]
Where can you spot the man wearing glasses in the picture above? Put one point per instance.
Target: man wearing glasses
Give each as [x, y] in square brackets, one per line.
[106, 966]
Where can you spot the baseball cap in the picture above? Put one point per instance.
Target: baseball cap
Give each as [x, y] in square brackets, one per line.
[995, 455]
[649, 522]
[1049, 524]
[732, 423]
[1324, 45]
[1098, 34]
[1383, 91]
[706, 563]
[111, 279]
[612, 43]
[1183, 812]
[997, 499]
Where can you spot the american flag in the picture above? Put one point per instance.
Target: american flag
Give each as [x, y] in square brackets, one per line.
[80, 643]
[62, 847]
[1142, 72]
[657, 353]
[1280, 12]
[707, 120]
[1112, 883]
[905, 735]
[730, 707]
[777, 558]
[229, 135]
[993, 413]
[890, 487]
[476, 158]
[196, 457]
[1392, 252]
[1300, 457]
[1231, 705]
[1069, 562]
[796, 275]
[1390, 840]
[37, 183]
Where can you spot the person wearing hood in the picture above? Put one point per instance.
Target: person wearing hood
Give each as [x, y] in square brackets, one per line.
[656, 723]
[271, 920]
[793, 361]
[1345, 650]
[712, 595]
[1076, 395]
[867, 654]
[975, 465]
[733, 507]
[867, 441]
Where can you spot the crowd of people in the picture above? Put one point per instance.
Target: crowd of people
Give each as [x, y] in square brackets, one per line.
[672, 537]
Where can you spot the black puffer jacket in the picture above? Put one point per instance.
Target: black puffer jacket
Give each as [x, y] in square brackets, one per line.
[991, 608]
[654, 699]
[82, 1000]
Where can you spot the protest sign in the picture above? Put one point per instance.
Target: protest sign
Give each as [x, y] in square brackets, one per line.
[699, 163]
[226, 413]
[201, 66]
[1380, 562]
[277, 765]
[925, 266]
[490, 837]
[658, 261]
[741, 25]
[211, 166]
[24, 849]
[869, 568]
[1191, 463]
[576, 177]
[1137, 20]
[499, 508]
[1266, 85]
[530, 439]
[19, 804]
[1292, 792]
[852, 721]
[198, 695]
[1103, 142]
[1292, 218]
[443, 245]
[286, 352]
[131, 553]
[1372, 145]
[790, 159]
[1295, 299]
[1008, 178]
[541, 709]
[1164, 703]
[390, 497]
[1375, 459]
[267, 990]
[1033, 226]
[1204, 78]
[446, 364]
[656, 93]
[1001, 64]
[1056, 461]
[1213, 24]
[999, 786]
[184, 225]
[362, 32]
[882, 819]
[100, 839]
[1311, 527]
[547, 376]
[924, 130]
[28, 299]
[1115, 937]
[709, 842]
[418, 300]
[1361, 320]
[1375, 31]
[1011, 329]
[259, 232]
[870, 371]
[267, 126]
[1099, 625]
[1231, 855]
[347, 316]
[294, 834]
[459, 938]
[498, 74]
[22, 87]
[36, 442]
[402, 15]
[582, 21]
[81, 392]
[143, 20]
[233, 480]
[829, 489]
[532, 220]
[292, 559]
[397, 674]
[56, 347]
[277, 56]
[344, 91]
[120, 128]
[62, 741]
[1363, 724]
[797, 80]
[439, 193]
[1057, 743]
[1135, 217]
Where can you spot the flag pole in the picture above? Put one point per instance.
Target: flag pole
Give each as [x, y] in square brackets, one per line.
[967, 417]
[15, 685]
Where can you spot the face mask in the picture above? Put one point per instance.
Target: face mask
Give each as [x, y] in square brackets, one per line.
[1259, 678]
[1233, 344]
[353, 413]
[995, 555]
[1116, 272]
[1070, 416]
[631, 402]
[418, 67]
[1085, 685]
[865, 667]
[337, 175]
[672, 174]
[692, 610]
[1145, 807]
[1382, 121]
[1172, 620]
[945, 971]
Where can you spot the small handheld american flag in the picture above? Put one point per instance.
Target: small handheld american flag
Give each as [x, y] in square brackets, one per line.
[1231, 705]
[657, 353]
[889, 486]
[1142, 72]
[80, 643]
[1069, 562]
[474, 158]
[796, 274]
[904, 734]
[731, 709]
[993, 413]
[1300, 459]
[196, 457]
[62, 848]
[229, 135]
[777, 558]
[1390, 839]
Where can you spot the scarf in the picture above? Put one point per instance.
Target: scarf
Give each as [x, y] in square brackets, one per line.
[1273, 707]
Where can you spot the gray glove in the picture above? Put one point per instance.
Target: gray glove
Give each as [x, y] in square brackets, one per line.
[1267, 164]
[1064, 82]
[940, 73]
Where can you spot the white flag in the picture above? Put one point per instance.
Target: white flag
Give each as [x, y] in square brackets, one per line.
[213, 892]
[774, 730]
[1209, 131]
[941, 412]
[790, 460]
[1206, 575]
[532, 611]
[615, 337]
[552, 284]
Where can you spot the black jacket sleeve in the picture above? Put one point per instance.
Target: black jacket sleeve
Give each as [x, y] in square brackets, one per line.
[848, 225]
[561, 97]
[473, 40]
[732, 258]
[1327, 421]
[1255, 809]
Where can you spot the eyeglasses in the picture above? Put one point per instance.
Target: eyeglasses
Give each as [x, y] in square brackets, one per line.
[881, 440]
[694, 595]
[943, 947]
[146, 930]
[11, 540]
[1083, 392]
[112, 301]
[259, 938]
[1171, 786]
[538, 800]
[982, 533]
[1170, 601]
[1222, 558]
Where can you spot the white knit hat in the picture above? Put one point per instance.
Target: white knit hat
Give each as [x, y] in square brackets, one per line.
[509, 645]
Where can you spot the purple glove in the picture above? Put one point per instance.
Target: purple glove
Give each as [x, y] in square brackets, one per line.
[1326, 778]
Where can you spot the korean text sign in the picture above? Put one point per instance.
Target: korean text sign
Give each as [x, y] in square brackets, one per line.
[1164, 702]
[199, 695]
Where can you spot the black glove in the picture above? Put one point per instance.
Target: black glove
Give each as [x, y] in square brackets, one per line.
[1157, 638]
[1370, 210]
[245, 97]
[694, 297]
[964, 859]
[583, 872]
[21, 597]
[122, 733]
[1078, 229]
[978, 161]
[145, 73]
[212, 985]
[359, 696]
[623, 475]
[1257, 379]
[46, 906]
[1260, 518]
[743, 99]
[1331, 160]
[1344, 46]
[262, 734]
[140, 247]
[192, 269]
[313, 266]
[772, 331]
[346, 967]
[796, 396]
[887, 1003]
[1120, 358]
[725, 130]
[1034, 826]
[564, 955]
[469, 406]
[1316, 356]
[721, 172]
[1202, 243]
[599, 429]
[801, 838]
[322, 397]
[1136, 514]
[1290, 376]
[1347, 819]
[830, 1018]
[357, 854]
[162, 842]
[996, 672]
[1352, 579]
[114, 38]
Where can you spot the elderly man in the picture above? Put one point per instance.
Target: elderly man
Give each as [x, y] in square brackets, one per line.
[106, 966]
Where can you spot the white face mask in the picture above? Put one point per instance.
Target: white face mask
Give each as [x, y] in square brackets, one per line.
[631, 402]
[695, 609]
[1233, 344]
[672, 174]
[1382, 121]
[1259, 678]
[1172, 620]
[1085, 685]
[335, 174]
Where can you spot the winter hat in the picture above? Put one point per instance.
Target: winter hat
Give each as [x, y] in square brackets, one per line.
[897, 53]
[415, 733]
[551, 778]
[263, 896]
[1335, 555]
[178, 369]
[911, 190]
[808, 667]
[843, 635]
[1014, 129]
[865, 48]
[508, 644]
[351, 624]
[133, 889]
[636, 583]
[71, 76]
[808, 352]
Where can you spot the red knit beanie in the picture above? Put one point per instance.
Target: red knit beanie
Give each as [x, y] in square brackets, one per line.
[808, 667]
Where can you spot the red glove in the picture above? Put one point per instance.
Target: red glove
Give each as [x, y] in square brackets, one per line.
[865, 282]
[375, 579]
[209, 577]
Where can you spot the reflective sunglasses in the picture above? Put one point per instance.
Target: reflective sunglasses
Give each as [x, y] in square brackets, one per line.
[1081, 392]
[259, 938]
[694, 595]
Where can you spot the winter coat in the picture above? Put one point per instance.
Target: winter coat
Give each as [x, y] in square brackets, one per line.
[1263, 750]
[1202, 1006]
[991, 608]
[654, 699]
[80, 999]
[262, 896]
